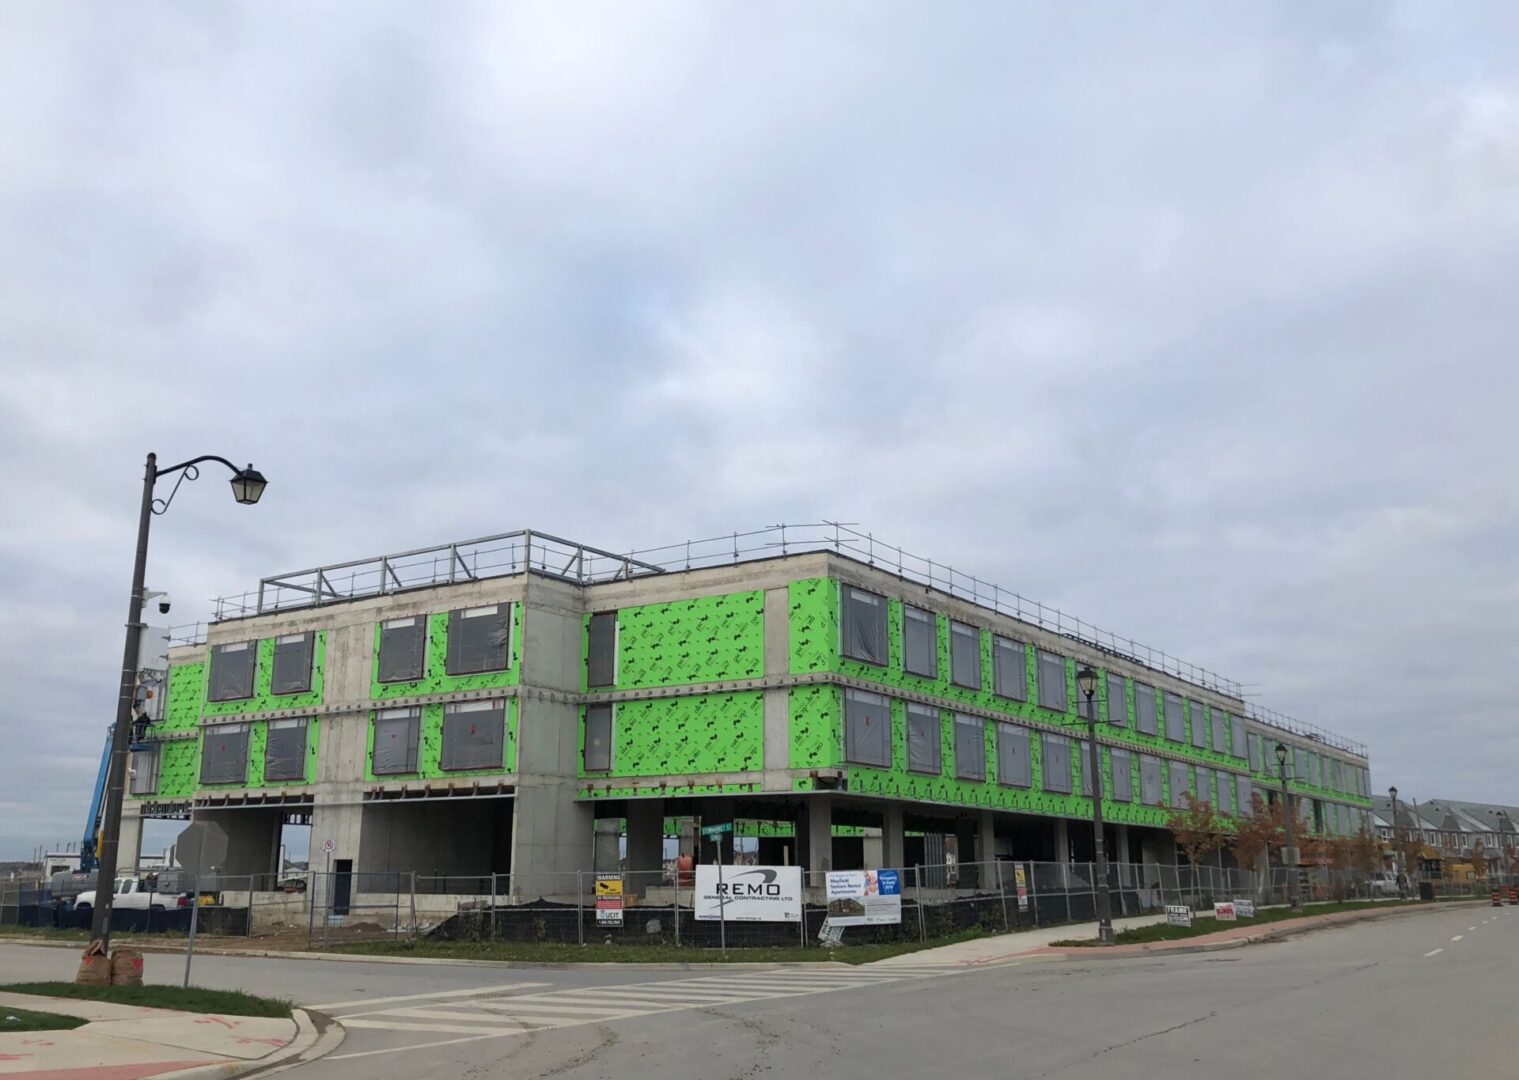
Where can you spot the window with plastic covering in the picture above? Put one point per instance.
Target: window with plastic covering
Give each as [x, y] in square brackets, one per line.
[867, 729]
[1254, 742]
[1205, 791]
[145, 771]
[232, 671]
[1052, 691]
[1300, 759]
[478, 639]
[403, 649]
[925, 739]
[1220, 731]
[920, 642]
[1057, 763]
[598, 737]
[1010, 669]
[864, 629]
[1118, 706]
[965, 655]
[1237, 739]
[1123, 776]
[474, 735]
[1151, 790]
[1176, 729]
[1199, 725]
[1313, 769]
[285, 750]
[1144, 709]
[1225, 802]
[1081, 760]
[292, 664]
[1014, 768]
[601, 650]
[1181, 783]
[396, 733]
[970, 747]
[224, 754]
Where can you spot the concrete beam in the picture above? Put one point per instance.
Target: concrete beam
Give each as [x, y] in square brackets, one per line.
[893, 837]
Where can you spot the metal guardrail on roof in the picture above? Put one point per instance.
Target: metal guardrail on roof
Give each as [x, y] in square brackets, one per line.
[444, 564]
[511, 553]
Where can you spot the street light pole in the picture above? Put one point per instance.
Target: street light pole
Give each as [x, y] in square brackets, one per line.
[247, 487]
[1397, 847]
[1289, 852]
[1086, 682]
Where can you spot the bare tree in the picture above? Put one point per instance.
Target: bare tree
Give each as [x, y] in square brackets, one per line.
[1199, 832]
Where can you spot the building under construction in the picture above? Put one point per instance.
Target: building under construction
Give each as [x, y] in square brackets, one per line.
[494, 706]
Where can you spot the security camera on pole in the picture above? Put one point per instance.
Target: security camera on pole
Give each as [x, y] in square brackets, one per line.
[247, 486]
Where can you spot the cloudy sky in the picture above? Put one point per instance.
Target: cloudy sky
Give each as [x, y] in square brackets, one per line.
[1196, 320]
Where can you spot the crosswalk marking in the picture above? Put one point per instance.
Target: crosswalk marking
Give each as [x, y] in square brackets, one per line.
[490, 1012]
[476, 991]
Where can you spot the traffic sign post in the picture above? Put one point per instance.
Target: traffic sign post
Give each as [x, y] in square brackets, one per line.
[200, 847]
[716, 833]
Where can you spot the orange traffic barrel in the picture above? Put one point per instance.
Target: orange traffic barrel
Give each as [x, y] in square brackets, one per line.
[1513, 894]
[1497, 898]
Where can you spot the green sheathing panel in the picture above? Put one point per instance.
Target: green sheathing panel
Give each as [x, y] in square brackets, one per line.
[430, 749]
[816, 721]
[709, 639]
[178, 765]
[813, 631]
[437, 680]
[705, 733]
[263, 700]
[186, 694]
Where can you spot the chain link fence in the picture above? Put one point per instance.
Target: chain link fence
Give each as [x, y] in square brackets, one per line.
[325, 908]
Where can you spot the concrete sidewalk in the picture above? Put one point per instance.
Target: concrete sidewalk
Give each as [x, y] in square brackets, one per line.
[993, 950]
[126, 1042]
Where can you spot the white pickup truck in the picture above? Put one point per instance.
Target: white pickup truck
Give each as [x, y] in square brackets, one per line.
[135, 893]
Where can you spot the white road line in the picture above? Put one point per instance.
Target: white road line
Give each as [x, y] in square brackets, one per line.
[1432, 952]
[626, 1008]
[475, 992]
[1458, 937]
[457, 1029]
[1471, 928]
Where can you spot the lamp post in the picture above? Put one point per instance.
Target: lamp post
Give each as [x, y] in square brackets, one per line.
[247, 486]
[1397, 846]
[1086, 682]
[1289, 851]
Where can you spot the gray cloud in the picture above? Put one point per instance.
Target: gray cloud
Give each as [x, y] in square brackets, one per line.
[1195, 322]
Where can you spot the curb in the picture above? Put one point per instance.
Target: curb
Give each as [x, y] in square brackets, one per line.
[316, 1036]
[459, 961]
[1150, 950]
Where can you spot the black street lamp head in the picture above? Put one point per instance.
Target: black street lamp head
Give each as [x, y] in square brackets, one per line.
[1086, 681]
[1281, 754]
[1393, 792]
[248, 485]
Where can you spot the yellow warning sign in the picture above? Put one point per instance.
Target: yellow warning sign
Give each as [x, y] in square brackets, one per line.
[609, 886]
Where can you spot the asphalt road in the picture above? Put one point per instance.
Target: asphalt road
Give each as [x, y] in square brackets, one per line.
[1420, 994]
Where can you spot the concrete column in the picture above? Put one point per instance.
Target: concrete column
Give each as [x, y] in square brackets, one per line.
[777, 702]
[551, 831]
[1062, 841]
[1122, 854]
[893, 837]
[873, 853]
[605, 842]
[816, 834]
[986, 841]
[129, 851]
[341, 821]
[646, 826]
